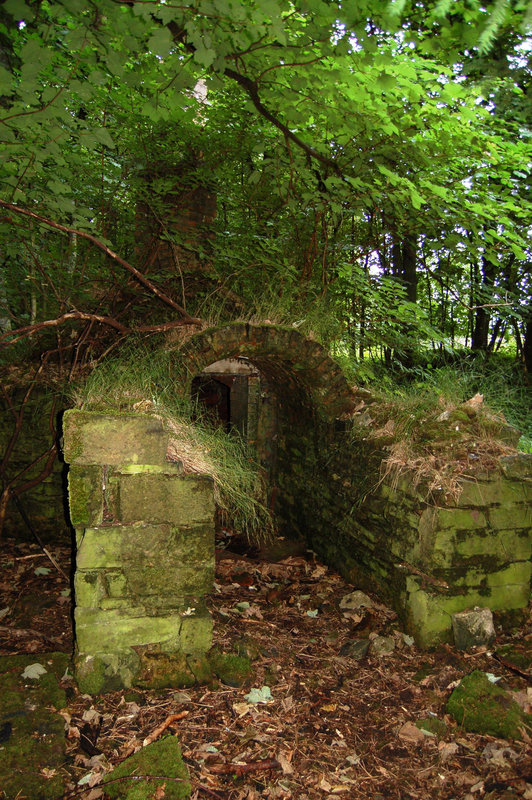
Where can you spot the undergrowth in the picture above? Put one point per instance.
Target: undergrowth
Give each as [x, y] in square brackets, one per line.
[148, 380]
[445, 424]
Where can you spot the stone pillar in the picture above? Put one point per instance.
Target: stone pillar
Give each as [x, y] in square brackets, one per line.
[144, 554]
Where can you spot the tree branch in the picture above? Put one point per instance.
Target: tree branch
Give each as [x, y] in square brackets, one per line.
[20, 333]
[107, 250]
[252, 90]
[10, 337]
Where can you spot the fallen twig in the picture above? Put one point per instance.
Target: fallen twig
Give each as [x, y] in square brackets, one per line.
[166, 724]
[512, 667]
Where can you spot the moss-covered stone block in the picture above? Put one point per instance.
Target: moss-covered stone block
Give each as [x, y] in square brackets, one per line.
[459, 519]
[34, 731]
[518, 466]
[100, 673]
[115, 584]
[486, 493]
[196, 631]
[113, 439]
[178, 500]
[163, 769]
[428, 613]
[483, 707]
[117, 629]
[89, 588]
[100, 548]
[187, 556]
[85, 495]
[512, 516]
[511, 545]
[516, 574]
[162, 670]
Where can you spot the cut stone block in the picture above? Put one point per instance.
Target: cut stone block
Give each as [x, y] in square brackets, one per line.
[114, 630]
[92, 438]
[85, 495]
[473, 627]
[518, 466]
[179, 500]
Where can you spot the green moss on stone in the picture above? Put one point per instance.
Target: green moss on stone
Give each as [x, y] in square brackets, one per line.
[196, 631]
[117, 629]
[94, 438]
[483, 707]
[37, 736]
[106, 672]
[162, 759]
[518, 654]
[176, 499]
[160, 670]
[232, 669]
[85, 495]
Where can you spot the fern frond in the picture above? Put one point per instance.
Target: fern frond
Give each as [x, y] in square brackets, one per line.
[495, 22]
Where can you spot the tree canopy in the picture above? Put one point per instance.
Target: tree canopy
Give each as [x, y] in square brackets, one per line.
[162, 162]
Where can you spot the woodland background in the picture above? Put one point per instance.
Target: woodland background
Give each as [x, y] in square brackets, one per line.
[360, 170]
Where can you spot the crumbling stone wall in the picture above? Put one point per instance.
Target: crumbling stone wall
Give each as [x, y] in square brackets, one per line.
[43, 501]
[429, 557]
[145, 554]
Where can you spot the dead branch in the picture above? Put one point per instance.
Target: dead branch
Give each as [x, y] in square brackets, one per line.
[244, 769]
[10, 337]
[27, 330]
[166, 724]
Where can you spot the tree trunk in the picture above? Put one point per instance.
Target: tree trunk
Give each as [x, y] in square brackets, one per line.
[481, 329]
[404, 261]
[527, 346]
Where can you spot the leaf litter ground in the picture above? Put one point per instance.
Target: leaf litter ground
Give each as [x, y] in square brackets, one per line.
[312, 721]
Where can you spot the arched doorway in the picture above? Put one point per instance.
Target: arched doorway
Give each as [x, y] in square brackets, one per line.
[285, 393]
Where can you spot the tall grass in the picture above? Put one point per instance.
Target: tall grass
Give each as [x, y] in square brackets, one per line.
[145, 379]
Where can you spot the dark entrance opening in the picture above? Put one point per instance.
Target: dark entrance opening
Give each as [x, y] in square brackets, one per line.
[213, 398]
[228, 392]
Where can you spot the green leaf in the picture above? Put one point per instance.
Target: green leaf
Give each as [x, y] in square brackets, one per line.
[42, 571]
[34, 671]
[161, 42]
[103, 136]
[262, 695]
[204, 56]
[19, 10]
[385, 81]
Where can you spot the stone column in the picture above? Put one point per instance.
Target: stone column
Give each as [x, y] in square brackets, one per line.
[144, 554]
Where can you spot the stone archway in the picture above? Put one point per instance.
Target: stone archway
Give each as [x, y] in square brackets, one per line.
[303, 391]
[128, 505]
[283, 354]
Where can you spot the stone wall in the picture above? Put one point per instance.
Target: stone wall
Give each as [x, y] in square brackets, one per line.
[430, 560]
[145, 554]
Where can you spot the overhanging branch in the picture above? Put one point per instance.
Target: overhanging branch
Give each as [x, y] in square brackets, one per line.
[107, 250]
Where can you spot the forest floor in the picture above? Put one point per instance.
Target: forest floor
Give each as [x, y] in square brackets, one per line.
[332, 726]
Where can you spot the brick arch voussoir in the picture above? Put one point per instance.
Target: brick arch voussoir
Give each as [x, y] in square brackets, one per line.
[308, 362]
